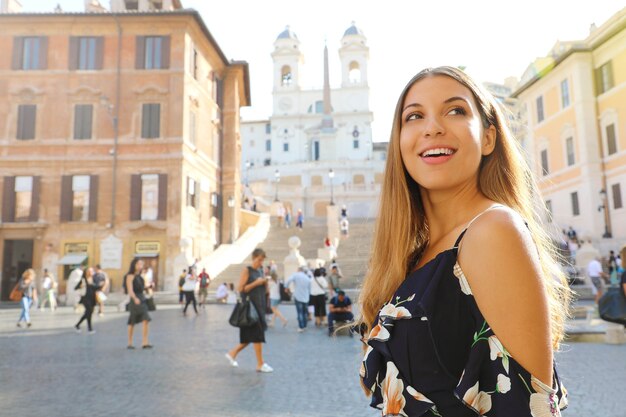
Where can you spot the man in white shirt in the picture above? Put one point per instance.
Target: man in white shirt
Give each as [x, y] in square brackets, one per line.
[301, 294]
[595, 272]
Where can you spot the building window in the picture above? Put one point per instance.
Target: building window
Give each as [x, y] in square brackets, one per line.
[268, 145]
[549, 210]
[575, 206]
[30, 53]
[132, 4]
[80, 198]
[26, 121]
[319, 107]
[611, 140]
[604, 77]
[565, 93]
[23, 198]
[87, 53]
[268, 128]
[355, 144]
[285, 76]
[571, 156]
[286, 147]
[83, 117]
[192, 193]
[149, 196]
[150, 120]
[354, 72]
[192, 128]
[194, 63]
[156, 5]
[540, 114]
[545, 170]
[617, 196]
[153, 52]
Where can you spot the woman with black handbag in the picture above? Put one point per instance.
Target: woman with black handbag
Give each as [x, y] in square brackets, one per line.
[253, 288]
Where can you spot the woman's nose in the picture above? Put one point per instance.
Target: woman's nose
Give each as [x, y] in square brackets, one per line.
[433, 127]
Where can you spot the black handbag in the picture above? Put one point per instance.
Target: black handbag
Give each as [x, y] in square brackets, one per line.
[244, 314]
[612, 306]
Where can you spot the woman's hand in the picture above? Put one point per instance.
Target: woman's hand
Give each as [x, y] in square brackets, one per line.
[136, 300]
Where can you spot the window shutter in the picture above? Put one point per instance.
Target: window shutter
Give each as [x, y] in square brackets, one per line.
[162, 214]
[165, 52]
[73, 56]
[87, 120]
[43, 53]
[18, 52]
[155, 120]
[30, 121]
[99, 52]
[8, 200]
[67, 198]
[598, 79]
[93, 198]
[609, 73]
[34, 202]
[135, 197]
[140, 52]
[145, 120]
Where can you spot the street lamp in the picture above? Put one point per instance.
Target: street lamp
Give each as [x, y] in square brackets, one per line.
[331, 175]
[112, 110]
[231, 204]
[604, 206]
[277, 178]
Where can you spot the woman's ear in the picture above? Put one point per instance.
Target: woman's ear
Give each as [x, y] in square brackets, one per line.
[489, 140]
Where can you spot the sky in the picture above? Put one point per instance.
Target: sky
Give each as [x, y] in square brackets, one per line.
[493, 39]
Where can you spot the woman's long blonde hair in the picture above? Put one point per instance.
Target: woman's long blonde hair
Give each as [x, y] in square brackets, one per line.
[401, 231]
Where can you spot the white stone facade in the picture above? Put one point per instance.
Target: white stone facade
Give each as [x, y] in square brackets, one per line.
[293, 140]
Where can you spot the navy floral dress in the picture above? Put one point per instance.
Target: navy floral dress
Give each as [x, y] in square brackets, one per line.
[431, 346]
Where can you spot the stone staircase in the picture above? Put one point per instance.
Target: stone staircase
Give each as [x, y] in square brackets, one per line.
[352, 254]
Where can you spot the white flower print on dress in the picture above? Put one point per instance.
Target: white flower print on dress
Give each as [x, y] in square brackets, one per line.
[479, 400]
[417, 395]
[497, 350]
[458, 272]
[379, 332]
[394, 311]
[392, 387]
[504, 384]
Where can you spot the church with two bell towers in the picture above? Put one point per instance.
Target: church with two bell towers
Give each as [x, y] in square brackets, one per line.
[315, 138]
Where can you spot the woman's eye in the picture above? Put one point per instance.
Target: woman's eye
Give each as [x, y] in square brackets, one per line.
[457, 111]
[413, 116]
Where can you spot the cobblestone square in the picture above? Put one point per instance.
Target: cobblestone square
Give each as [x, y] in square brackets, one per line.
[50, 370]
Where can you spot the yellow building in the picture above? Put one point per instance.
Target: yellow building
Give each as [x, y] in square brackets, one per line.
[119, 137]
[574, 102]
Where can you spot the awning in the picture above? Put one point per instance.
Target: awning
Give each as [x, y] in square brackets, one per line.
[146, 255]
[72, 259]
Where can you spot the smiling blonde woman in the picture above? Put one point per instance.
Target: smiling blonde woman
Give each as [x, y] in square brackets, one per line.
[463, 303]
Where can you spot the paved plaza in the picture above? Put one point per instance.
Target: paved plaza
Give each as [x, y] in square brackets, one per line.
[51, 371]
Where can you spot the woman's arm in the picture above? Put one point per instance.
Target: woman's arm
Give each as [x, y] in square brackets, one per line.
[129, 287]
[501, 264]
[243, 278]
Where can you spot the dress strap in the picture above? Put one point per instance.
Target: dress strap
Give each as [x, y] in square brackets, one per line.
[458, 240]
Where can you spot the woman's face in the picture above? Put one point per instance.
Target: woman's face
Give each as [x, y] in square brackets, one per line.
[258, 261]
[139, 266]
[442, 139]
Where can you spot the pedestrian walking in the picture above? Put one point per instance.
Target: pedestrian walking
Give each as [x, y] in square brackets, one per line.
[26, 285]
[340, 307]
[596, 274]
[344, 226]
[189, 288]
[318, 296]
[274, 293]
[344, 211]
[88, 300]
[301, 294]
[138, 307]
[101, 283]
[203, 292]
[300, 220]
[181, 282]
[333, 280]
[287, 218]
[462, 287]
[49, 286]
[253, 286]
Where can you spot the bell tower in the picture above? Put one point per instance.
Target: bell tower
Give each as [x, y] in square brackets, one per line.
[288, 61]
[354, 55]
